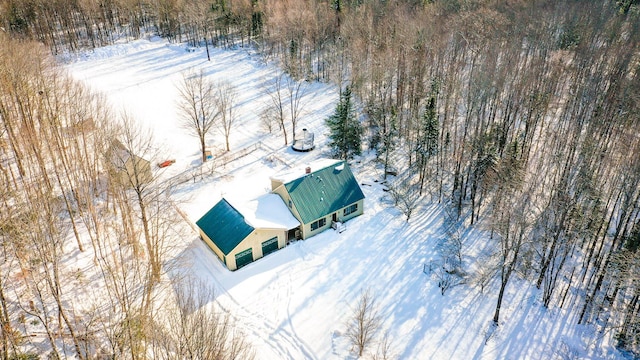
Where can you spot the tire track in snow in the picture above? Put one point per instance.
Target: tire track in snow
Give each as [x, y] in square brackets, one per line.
[289, 322]
[279, 337]
[285, 344]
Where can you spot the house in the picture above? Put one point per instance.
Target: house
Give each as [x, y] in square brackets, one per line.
[241, 233]
[302, 203]
[127, 168]
[324, 193]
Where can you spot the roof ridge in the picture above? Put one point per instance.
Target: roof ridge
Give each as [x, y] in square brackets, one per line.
[339, 186]
[236, 209]
[335, 164]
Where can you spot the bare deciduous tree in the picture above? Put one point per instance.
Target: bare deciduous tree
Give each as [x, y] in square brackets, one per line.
[385, 350]
[513, 226]
[128, 161]
[198, 106]
[196, 328]
[295, 92]
[226, 95]
[286, 93]
[450, 272]
[364, 322]
[405, 195]
[267, 119]
[276, 106]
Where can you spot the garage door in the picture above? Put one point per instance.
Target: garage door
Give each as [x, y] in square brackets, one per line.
[270, 246]
[244, 258]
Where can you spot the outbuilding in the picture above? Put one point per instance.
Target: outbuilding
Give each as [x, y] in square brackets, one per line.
[127, 168]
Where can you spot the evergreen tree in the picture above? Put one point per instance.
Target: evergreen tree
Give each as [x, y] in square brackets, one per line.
[345, 131]
[627, 5]
[632, 242]
[427, 142]
[389, 140]
[431, 131]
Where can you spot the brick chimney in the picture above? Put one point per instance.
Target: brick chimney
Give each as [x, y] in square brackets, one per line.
[307, 170]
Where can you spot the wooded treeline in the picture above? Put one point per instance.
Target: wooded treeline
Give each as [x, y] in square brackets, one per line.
[537, 110]
[68, 189]
[536, 104]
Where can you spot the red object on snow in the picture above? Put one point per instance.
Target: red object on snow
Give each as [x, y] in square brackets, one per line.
[166, 163]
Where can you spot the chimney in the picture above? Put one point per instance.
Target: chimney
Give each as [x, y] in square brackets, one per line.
[307, 170]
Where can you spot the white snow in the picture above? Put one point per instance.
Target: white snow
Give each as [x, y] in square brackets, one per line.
[293, 304]
[300, 170]
[267, 211]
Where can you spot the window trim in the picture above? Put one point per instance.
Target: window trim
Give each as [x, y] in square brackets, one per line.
[320, 223]
[350, 209]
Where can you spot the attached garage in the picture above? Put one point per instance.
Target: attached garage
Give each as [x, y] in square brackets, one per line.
[241, 233]
[269, 246]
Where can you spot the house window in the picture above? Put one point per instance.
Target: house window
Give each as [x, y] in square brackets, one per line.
[351, 209]
[318, 224]
[290, 204]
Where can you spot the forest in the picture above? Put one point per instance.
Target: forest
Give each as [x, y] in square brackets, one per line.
[521, 117]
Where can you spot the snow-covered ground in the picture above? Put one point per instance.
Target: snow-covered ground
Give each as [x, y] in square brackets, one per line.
[293, 304]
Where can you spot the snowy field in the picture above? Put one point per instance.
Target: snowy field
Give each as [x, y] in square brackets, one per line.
[293, 304]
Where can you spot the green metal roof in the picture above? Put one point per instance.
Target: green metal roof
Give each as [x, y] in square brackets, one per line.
[225, 226]
[324, 191]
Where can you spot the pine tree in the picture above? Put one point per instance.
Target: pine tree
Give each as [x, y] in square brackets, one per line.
[431, 131]
[345, 131]
[427, 142]
[632, 242]
[388, 141]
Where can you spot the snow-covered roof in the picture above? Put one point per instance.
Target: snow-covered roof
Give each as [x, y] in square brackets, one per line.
[267, 211]
[300, 171]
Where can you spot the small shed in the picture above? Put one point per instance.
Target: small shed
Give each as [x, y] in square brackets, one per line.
[128, 168]
[246, 231]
